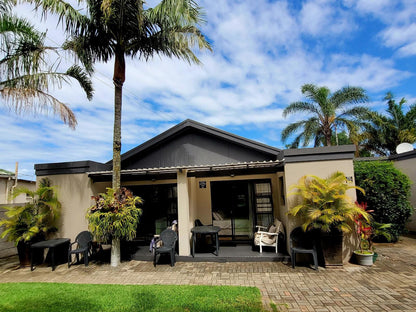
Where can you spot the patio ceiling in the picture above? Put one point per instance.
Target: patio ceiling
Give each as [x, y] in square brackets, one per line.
[231, 169]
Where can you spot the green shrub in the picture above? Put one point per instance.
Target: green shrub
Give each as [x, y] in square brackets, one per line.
[387, 192]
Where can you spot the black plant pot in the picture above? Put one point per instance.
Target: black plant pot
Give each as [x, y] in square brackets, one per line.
[23, 251]
[331, 248]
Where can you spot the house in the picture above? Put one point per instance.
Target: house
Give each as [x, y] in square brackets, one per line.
[194, 171]
[8, 182]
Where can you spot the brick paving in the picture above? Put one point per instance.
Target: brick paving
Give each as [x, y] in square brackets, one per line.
[389, 285]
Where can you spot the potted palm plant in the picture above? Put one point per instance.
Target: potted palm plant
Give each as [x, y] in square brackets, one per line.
[325, 206]
[32, 222]
[368, 230]
[114, 216]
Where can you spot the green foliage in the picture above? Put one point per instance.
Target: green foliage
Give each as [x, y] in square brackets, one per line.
[50, 297]
[115, 214]
[324, 203]
[28, 69]
[34, 220]
[328, 113]
[385, 131]
[387, 192]
[368, 229]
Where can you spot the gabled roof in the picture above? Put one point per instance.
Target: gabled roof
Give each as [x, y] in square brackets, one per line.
[193, 125]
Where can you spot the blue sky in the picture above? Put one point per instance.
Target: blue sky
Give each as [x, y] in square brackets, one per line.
[264, 51]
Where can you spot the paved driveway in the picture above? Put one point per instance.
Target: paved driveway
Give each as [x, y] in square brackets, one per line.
[389, 285]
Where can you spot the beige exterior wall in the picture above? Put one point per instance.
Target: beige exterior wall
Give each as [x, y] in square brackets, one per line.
[408, 167]
[294, 171]
[74, 193]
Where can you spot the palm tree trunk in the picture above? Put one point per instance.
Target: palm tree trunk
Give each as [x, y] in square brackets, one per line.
[118, 80]
[115, 252]
[116, 182]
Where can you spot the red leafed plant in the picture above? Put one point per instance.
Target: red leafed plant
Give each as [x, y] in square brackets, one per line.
[368, 229]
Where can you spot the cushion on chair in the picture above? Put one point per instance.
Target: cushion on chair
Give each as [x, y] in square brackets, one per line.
[269, 239]
[272, 229]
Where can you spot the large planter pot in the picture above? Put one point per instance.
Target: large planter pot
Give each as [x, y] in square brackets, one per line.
[365, 258]
[23, 251]
[331, 244]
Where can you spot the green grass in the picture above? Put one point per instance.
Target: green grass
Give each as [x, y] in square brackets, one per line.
[46, 297]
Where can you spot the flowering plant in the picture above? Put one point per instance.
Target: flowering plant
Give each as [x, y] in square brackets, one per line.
[368, 229]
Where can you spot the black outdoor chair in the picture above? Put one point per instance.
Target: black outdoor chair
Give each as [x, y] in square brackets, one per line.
[168, 238]
[198, 222]
[303, 243]
[83, 243]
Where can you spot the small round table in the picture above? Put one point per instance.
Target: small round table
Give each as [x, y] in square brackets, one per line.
[205, 230]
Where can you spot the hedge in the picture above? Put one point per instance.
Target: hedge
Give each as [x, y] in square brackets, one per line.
[387, 192]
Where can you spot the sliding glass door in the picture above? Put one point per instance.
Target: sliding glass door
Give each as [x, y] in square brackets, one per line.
[237, 206]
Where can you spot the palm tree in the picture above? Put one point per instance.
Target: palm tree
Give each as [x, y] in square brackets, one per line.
[25, 76]
[330, 113]
[109, 29]
[383, 133]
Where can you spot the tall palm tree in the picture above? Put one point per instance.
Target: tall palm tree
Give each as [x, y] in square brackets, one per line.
[115, 29]
[384, 132]
[330, 113]
[25, 76]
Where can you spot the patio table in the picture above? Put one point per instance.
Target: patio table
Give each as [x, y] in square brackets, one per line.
[52, 244]
[205, 230]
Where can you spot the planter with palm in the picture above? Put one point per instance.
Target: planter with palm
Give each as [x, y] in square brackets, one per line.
[114, 216]
[34, 221]
[324, 205]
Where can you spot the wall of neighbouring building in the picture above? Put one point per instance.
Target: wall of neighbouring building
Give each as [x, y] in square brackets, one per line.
[8, 248]
[407, 164]
[6, 185]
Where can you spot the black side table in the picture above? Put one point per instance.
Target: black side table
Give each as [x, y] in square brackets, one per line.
[52, 244]
[205, 230]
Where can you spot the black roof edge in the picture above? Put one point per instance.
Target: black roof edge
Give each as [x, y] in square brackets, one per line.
[319, 153]
[403, 156]
[71, 167]
[189, 123]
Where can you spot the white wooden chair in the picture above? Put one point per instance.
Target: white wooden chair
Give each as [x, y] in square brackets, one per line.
[268, 236]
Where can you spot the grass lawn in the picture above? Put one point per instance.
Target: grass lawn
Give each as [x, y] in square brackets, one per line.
[61, 297]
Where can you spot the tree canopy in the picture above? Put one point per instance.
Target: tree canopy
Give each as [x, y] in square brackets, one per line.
[384, 132]
[329, 113]
[25, 73]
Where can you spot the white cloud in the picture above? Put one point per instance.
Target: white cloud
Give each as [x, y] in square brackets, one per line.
[321, 18]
